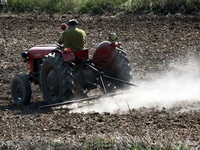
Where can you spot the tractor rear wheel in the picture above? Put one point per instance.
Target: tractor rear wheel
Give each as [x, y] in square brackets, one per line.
[21, 89]
[122, 66]
[121, 70]
[57, 80]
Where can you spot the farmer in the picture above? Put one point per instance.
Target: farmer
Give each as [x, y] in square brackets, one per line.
[73, 37]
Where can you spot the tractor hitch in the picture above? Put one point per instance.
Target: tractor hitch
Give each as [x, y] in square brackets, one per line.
[102, 74]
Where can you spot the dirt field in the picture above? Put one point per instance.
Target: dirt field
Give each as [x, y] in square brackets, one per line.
[152, 43]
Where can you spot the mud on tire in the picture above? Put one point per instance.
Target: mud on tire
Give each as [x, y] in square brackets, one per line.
[57, 80]
[21, 89]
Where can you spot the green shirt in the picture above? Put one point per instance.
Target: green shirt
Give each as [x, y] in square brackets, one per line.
[73, 38]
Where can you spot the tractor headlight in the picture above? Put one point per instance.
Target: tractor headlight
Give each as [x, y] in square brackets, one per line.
[24, 56]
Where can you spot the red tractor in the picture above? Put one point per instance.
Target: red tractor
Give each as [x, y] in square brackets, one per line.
[62, 74]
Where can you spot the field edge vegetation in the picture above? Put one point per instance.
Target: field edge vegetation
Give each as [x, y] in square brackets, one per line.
[95, 144]
[161, 7]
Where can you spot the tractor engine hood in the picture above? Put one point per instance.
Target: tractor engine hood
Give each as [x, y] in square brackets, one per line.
[39, 51]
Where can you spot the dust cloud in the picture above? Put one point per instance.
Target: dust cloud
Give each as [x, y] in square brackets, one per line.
[180, 85]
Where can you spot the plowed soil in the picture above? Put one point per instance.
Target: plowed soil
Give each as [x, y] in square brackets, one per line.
[151, 42]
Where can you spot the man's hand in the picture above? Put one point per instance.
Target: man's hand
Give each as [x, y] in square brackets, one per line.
[63, 26]
[59, 47]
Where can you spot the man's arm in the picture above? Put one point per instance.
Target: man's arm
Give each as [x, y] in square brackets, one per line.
[84, 39]
[60, 41]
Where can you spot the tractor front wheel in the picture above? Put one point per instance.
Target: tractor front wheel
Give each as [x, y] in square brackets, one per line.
[21, 90]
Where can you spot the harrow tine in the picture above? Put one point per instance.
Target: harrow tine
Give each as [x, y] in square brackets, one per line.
[83, 99]
[71, 102]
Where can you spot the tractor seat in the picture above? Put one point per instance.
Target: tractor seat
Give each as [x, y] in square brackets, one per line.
[81, 54]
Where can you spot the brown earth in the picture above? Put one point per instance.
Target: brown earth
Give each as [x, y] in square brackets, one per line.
[151, 42]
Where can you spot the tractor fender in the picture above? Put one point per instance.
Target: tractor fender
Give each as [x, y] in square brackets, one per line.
[68, 56]
[104, 55]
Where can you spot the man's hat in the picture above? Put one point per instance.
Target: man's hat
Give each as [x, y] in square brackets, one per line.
[72, 22]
